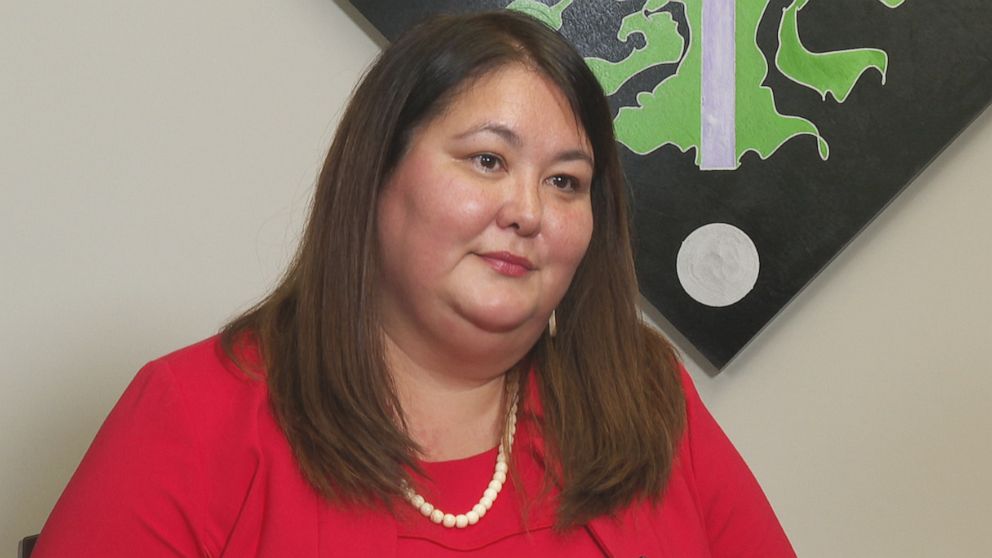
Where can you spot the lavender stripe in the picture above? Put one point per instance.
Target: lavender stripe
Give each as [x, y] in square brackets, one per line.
[719, 87]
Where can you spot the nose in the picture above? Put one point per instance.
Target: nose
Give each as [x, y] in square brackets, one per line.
[522, 208]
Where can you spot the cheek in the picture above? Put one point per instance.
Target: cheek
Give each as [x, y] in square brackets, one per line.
[569, 236]
[429, 222]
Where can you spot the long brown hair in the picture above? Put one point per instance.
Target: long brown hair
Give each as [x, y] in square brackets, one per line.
[613, 405]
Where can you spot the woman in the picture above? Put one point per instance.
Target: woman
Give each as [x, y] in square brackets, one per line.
[453, 363]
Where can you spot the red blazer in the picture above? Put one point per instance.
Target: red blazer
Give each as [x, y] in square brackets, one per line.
[192, 463]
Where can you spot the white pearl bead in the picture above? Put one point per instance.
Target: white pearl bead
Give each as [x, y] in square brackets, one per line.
[488, 496]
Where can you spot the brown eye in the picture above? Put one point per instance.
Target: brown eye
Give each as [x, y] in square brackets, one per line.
[488, 162]
[564, 182]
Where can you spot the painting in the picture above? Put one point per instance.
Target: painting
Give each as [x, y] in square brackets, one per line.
[759, 137]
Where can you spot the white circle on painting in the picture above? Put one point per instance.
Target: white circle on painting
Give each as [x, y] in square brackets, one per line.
[717, 264]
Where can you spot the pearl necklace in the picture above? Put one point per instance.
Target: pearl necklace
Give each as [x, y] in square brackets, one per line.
[473, 516]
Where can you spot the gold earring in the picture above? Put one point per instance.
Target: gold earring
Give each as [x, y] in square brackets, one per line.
[553, 324]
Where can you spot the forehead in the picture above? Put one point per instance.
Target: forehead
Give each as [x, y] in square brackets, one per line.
[514, 95]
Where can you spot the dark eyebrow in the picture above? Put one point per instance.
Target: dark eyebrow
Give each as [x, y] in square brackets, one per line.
[511, 137]
[575, 155]
[500, 130]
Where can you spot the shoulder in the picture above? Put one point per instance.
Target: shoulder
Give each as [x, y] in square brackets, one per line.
[204, 374]
[737, 517]
[693, 403]
[224, 416]
[223, 402]
[703, 439]
[174, 466]
[204, 363]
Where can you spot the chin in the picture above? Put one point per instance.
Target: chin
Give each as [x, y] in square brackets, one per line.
[500, 321]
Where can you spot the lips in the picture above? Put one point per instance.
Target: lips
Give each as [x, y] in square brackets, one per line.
[507, 263]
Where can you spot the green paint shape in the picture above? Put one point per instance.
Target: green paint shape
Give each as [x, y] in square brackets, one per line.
[663, 45]
[550, 15]
[834, 73]
[670, 114]
[760, 127]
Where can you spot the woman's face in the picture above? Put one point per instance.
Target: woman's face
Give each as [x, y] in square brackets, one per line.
[485, 218]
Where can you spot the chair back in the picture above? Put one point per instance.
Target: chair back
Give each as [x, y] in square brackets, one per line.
[26, 545]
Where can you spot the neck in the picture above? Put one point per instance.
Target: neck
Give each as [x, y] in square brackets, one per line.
[450, 413]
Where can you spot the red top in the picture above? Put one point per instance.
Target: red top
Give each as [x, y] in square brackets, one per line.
[192, 463]
[458, 485]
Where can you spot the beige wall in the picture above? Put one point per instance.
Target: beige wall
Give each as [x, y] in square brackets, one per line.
[155, 163]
